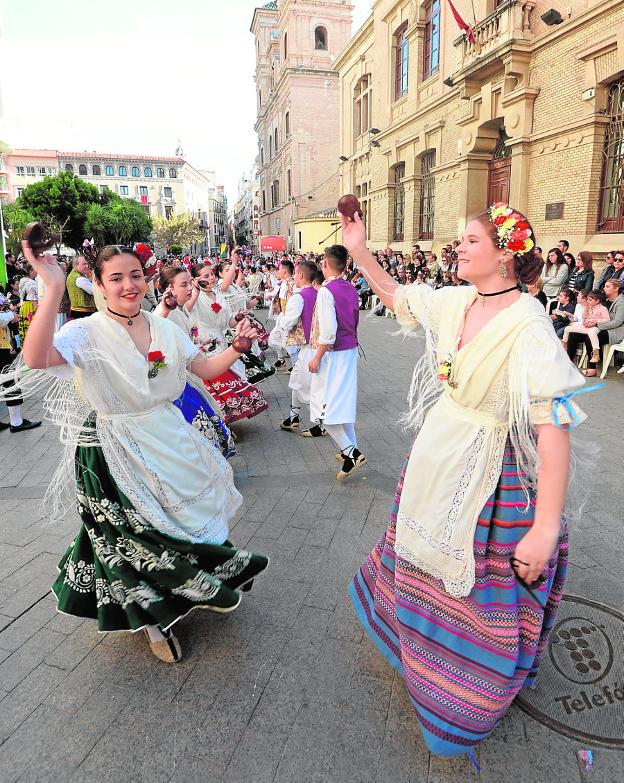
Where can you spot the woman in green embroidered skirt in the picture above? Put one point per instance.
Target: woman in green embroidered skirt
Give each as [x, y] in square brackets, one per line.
[154, 496]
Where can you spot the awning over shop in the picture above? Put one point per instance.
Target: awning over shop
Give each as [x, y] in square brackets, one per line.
[273, 244]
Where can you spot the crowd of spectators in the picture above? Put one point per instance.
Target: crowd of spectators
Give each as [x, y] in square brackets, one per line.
[568, 287]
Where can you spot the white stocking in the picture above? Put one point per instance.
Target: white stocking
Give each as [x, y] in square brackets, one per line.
[338, 434]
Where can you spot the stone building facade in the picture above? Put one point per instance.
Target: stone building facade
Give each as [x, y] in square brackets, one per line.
[529, 112]
[298, 109]
[163, 185]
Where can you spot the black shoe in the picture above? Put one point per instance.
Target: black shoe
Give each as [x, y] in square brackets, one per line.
[279, 363]
[351, 464]
[291, 423]
[314, 432]
[25, 425]
[4, 425]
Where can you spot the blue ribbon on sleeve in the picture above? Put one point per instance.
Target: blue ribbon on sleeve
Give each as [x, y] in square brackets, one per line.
[563, 400]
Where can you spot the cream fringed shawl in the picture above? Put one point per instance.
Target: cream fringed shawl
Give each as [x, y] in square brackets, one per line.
[501, 384]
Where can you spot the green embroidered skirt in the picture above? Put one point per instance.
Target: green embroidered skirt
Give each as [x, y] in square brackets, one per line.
[125, 574]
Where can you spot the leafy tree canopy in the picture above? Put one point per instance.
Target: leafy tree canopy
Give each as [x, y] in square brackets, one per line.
[62, 203]
[120, 221]
[15, 221]
[176, 230]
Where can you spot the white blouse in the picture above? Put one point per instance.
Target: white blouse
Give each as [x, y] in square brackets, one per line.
[177, 481]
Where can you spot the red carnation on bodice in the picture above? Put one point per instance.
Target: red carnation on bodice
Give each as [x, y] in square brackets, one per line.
[216, 307]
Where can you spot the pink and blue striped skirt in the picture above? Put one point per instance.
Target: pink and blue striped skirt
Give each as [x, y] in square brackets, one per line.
[463, 660]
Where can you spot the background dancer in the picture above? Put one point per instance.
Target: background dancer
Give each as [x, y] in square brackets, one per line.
[195, 402]
[333, 388]
[298, 320]
[211, 316]
[462, 589]
[154, 497]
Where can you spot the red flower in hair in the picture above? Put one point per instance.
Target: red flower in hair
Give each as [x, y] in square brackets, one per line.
[155, 356]
[144, 252]
[500, 220]
[515, 245]
[520, 235]
[522, 224]
[216, 307]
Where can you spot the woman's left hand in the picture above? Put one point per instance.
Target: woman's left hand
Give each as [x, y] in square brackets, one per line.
[534, 551]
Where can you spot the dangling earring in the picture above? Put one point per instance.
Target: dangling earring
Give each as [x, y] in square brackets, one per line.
[502, 269]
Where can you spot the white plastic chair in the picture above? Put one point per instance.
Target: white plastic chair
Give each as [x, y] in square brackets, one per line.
[607, 356]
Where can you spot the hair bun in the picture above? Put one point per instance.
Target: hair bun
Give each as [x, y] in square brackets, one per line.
[527, 266]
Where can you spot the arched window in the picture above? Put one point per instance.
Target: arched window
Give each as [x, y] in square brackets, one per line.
[123, 171]
[82, 169]
[431, 47]
[147, 172]
[320, 38]
[427, 195]
[270, 147]
[362, 105]
[276, 144]
[287, 124]
[612, 191]
[160, 173]
[173, 173]
[69, 167]
[96, 170]
[136, 171]
[110, 171]
[262, 156]
[399, 202]
[285, 45]
[401, 62]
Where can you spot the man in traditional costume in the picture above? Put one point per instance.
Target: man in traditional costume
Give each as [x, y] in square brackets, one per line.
[297, 325]
[80, 289]
[286, 290]
[333, 389]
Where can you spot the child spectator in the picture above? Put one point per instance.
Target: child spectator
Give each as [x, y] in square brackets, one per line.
[563, 314]
[594, 313]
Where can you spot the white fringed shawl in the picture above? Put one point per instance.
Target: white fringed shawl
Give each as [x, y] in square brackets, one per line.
[502, 384]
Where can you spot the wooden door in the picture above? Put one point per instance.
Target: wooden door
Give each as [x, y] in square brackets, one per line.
[499, 176]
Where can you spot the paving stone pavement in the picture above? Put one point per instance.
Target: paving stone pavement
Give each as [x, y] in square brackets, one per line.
[287, 689]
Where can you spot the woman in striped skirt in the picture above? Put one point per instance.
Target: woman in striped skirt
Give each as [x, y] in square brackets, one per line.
[462, 589]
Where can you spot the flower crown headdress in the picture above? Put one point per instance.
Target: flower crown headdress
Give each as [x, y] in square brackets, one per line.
[512, 230]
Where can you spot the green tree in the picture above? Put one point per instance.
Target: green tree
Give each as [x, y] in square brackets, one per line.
[176, 230]
[15, 221]
[121, 221]
[62, 203]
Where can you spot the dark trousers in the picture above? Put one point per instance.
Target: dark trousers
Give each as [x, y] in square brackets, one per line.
[575, 340]
[6, 357]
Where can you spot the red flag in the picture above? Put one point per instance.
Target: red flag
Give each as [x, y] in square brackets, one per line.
[461, 24]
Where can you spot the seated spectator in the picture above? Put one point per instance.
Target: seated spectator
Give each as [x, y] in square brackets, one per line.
[563, 314]
[582, 276]
[614, 268]
[555, 273]
[535, 289]
[434, 272]
[363, 289]
[447, 279]
[594, 314]
[610, 332]
[563, 245]
[570, 260]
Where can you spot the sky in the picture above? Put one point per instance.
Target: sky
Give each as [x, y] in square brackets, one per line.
[134, 76]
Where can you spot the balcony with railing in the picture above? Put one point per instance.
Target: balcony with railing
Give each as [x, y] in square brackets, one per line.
[506, 29]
